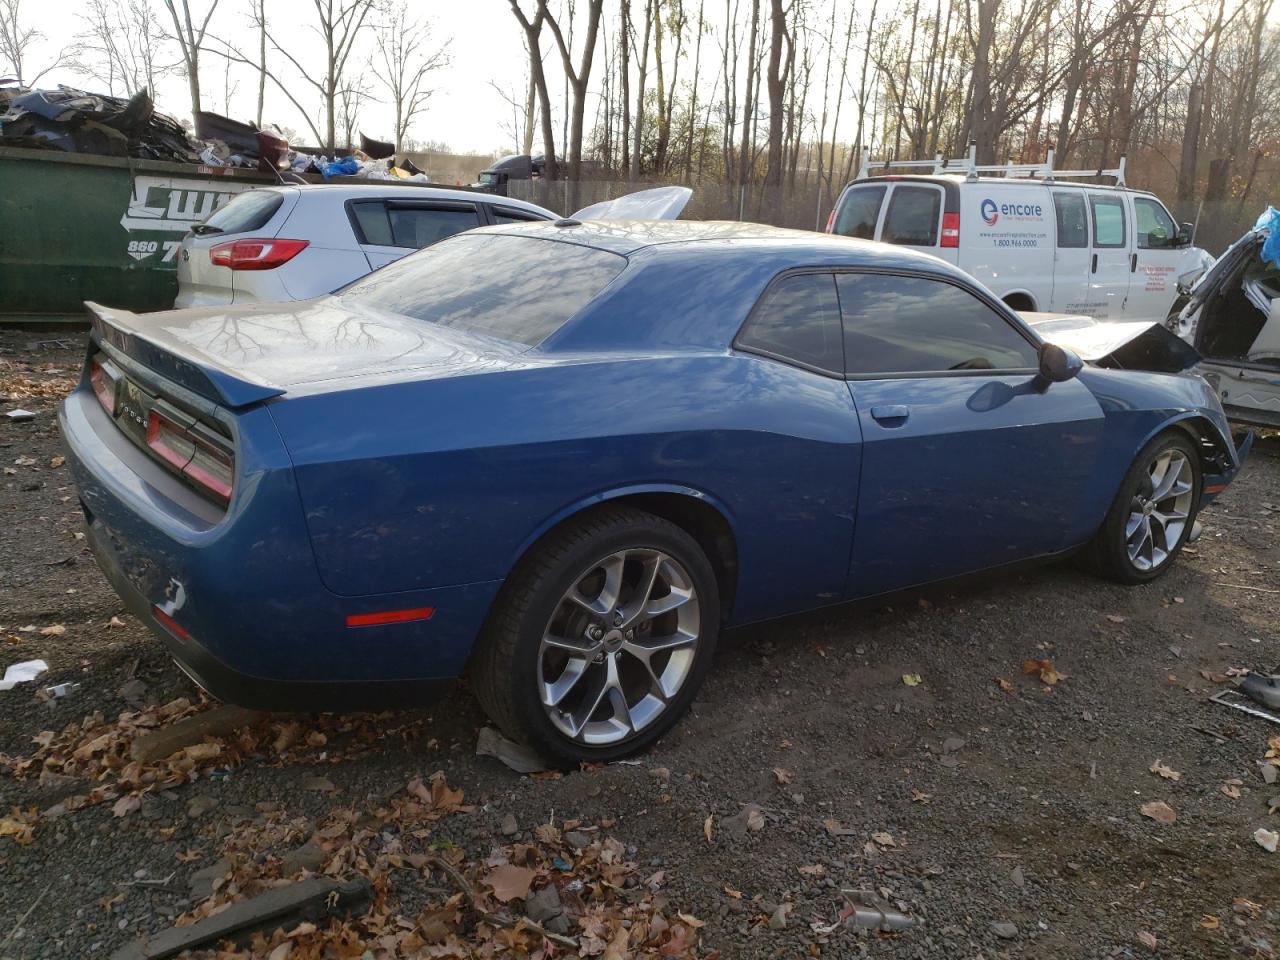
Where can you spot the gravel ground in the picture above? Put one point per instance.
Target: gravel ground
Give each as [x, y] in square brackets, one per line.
[1004, 816]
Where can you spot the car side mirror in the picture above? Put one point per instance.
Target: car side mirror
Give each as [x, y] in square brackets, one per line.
[1057, 365]
[1184, 235]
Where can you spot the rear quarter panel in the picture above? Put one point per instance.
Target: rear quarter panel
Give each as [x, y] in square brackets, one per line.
[430, 483]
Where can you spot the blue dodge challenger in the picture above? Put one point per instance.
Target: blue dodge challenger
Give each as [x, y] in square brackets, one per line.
[559, 457]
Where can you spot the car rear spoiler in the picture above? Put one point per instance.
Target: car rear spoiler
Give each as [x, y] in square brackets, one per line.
[1132, 345]
[140, 339]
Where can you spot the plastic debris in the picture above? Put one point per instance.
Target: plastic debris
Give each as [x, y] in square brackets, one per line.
[60, 690]
[1268, 840]
[20, 414]
[24, 672]
[1270, 222]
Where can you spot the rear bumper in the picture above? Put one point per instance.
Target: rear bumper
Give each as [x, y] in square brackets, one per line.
[242, 608]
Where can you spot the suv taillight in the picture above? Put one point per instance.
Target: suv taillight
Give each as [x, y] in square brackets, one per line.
[198, 459]
[255, 254]
[951, 229]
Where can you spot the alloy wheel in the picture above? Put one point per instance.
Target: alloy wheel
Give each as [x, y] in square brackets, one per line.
[619, 646]
[1159, 510]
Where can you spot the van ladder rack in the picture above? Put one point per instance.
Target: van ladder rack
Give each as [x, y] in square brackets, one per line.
[970, 167]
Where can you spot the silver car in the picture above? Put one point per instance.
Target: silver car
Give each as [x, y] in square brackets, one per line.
[1232, 317]
[297, 242]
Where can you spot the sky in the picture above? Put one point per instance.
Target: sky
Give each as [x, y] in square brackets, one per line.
[485, 44]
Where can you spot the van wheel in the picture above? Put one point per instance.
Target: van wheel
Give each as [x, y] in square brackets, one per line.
[1152, 514]
[1019, 302]
[600, 639]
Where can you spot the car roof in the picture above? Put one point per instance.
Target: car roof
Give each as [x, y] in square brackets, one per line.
[749, 240]
[342, 192]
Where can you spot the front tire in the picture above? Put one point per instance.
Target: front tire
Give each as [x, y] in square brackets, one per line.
[1152, 514]
[600, 638]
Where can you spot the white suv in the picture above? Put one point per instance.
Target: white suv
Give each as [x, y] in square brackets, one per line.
[297, 242]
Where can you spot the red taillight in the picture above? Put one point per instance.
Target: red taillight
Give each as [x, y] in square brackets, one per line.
[104, 387]
[390, 616]
[831, 220]
[255, 254]
[193, 456]
[951, 229]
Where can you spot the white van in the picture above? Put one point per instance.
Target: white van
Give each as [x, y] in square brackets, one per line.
[1037, 242]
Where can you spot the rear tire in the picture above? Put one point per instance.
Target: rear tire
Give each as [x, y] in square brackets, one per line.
[1152, 515]
[600, 638]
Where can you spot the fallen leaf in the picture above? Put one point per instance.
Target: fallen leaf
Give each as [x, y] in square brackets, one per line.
[126, 805]
[919, 796]
[510, 882]
[1164, 770]
[1004, 684]
[912, 679]
[617, 948]
[813, 870]
[782, 776]
[1148, 940]
[203, 751]
[57, 461]
[884, 839]
[1209, 922]
[736, 894]
[1116, 618]
[835, 829]
[754, 817]
[1213, 677]
[114, 623]
[56, 630]
[1178, 600]
[1231, 790]
[1049, 675]
[1159, 811]
[691, 921]
[706, 828]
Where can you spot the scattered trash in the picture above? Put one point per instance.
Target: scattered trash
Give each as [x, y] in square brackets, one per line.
[516, 756]
[17, 673]
[1233, 698]
[1268, 840]
[74, 121]
[1262, 689]
[20, 415]
[60, 690]
[1159, 811]
[285, 907]
[912, 679]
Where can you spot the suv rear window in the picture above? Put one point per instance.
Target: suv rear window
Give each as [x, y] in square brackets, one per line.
[244, 212]
[513, 288]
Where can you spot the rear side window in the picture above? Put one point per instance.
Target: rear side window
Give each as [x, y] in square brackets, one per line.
[798, 318]
[1153, 224]
[1108, 221]
[371, 218]
[859, 213]
[913, 216]
[502, 215]
[1073, 223]
[519, 289]
[895, 325]
[396, 225]
[245, 212]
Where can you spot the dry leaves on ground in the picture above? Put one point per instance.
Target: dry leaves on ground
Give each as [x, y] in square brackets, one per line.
[1159, 811]
[1049, 675]
[1164, 770]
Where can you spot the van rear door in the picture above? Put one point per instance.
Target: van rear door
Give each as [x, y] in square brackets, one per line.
[857, 212]
[1110, 263]
[913, 218]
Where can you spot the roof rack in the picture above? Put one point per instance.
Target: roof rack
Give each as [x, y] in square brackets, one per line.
[970, 167]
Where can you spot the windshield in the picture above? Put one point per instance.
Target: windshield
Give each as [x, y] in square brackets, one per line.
[520, 289]
[488, 177]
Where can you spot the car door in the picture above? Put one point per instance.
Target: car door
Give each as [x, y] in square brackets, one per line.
[1071, 253]
[387, 229]
[968, 460]
[1109, 255]
[1156, 260]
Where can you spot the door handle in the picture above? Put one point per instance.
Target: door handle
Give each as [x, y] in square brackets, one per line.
[1133, 263]
[1094, 268]
[891, 414]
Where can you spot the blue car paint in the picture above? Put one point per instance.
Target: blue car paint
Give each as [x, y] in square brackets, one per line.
[414, 466]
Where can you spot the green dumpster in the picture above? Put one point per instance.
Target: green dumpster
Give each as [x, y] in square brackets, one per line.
[75, 227]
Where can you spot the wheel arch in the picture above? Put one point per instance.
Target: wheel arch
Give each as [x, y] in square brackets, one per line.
[1215, 450]
[1019, 300]
[699, 514]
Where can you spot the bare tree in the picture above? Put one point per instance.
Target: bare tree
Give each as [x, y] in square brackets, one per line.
[121, 45]
[533, 42]
[189, 33]
[16, 41]
[578, 77]
[405, 60]
[351, 100]
[259, 18]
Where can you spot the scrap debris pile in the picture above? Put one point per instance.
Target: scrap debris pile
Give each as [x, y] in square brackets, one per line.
[403, 885]
[74, 121]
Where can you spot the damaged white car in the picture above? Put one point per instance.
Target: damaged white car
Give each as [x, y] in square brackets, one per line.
[1233, 320]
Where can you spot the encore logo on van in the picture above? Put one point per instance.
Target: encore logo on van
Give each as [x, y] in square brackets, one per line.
[990, 212]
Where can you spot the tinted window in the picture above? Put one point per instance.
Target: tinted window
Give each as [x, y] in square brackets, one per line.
[913, 216]
[246, 211]
[371, 215]
[1153, 224]
[1073, 224]
[1108, 221]
[512, 288]
[859, 213]
[912, 325]
[798, 318]
[419, 227]
[510, 216]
